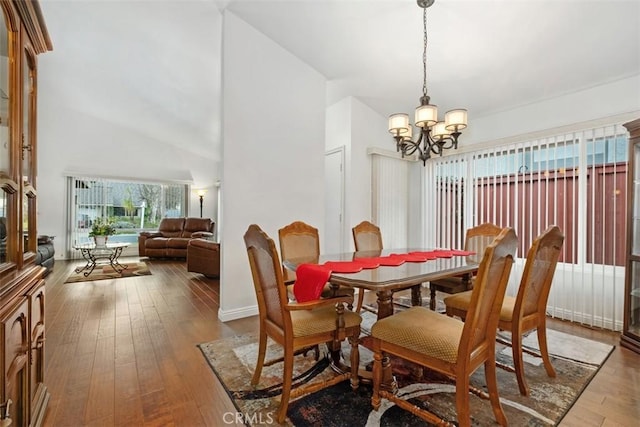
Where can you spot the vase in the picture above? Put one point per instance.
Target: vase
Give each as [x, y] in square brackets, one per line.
[101, 241]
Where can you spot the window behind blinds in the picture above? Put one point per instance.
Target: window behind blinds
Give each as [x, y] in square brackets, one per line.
[576, 181]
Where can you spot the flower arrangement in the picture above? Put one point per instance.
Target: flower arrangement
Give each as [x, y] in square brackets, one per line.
[102, 227]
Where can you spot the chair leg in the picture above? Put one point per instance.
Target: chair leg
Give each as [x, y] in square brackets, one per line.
[544, 350]
[518, 363]
[462, 401]
[360, 300]
[355, 361]
[287, 378]
[262, 350]
[492, 385]
[377, 379]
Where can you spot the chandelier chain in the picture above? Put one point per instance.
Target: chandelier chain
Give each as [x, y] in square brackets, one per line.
[424, 52]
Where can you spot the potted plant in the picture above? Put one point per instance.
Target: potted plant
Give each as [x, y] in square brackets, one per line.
[100, 230]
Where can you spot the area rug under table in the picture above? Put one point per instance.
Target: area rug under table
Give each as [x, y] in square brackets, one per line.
[576, 361]
[105, 271]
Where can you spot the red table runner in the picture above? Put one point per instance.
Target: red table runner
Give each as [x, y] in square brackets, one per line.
[311, 278]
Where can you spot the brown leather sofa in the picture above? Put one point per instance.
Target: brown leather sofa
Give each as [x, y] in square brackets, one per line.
[203, 256]
[173, 236]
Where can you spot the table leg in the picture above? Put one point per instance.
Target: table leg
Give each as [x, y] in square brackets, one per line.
[432, 297]
[113, 260]
[416, 295]
[385, 304]
[385, 309]
[90, 265]
[466, 281]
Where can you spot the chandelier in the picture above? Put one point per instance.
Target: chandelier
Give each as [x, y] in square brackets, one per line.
[435, 136]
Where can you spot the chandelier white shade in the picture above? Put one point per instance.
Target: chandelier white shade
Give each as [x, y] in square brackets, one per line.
[434, 135]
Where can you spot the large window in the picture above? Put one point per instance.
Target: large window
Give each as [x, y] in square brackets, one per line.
[576, 181]
[130, 206]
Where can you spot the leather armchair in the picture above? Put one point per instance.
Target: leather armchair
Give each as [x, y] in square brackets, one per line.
[203, 256]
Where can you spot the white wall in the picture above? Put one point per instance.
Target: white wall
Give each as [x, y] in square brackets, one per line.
[273, 151]
[599, 102]
[369, 129]
[354, 125]
[338, 134]
[94, 119]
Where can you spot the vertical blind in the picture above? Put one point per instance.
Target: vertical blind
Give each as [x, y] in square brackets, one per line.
[390, 199]
[576, 181]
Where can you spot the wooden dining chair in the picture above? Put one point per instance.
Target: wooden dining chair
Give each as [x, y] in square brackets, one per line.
[446, 344]
[301, 240]
[528, 310]
[295, 326]
[366, 237]
[476, 240]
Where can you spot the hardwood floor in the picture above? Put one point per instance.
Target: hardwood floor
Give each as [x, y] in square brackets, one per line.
[123, 353]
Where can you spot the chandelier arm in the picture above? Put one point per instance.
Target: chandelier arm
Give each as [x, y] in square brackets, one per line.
[410, 147]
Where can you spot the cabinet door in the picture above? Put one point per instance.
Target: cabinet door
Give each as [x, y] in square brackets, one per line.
[36, 319]
[633, 264]
[635, 200]
[15, 340]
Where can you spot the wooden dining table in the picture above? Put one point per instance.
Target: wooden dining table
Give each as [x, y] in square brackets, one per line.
[385, 280]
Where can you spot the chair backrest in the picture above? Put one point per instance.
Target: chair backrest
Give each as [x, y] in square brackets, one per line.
[537, 276]
[191, 225]
[267, 276]
[171, 227]
[298, 240]
[478, 238]
[488, 293]
[367, 237]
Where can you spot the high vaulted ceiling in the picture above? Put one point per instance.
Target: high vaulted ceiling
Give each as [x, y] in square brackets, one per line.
[153, 66]
[485, 55]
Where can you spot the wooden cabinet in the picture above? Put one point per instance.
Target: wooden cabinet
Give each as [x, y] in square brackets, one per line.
[23, 394]
[14, 329]
[631, 326]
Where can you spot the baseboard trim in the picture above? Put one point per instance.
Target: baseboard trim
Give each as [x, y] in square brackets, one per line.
[238, 313]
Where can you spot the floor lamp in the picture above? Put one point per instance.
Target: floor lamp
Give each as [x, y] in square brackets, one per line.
[201, 194]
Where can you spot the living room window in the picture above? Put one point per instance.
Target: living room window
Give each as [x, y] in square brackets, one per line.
[129, 205]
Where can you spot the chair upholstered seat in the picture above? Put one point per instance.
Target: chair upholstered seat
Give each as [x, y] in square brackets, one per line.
[321, 320]
[422, 330]
[296, 326]
[527, 311]
[462, 300]
[447, 345]
[476, 240]
[343, 291]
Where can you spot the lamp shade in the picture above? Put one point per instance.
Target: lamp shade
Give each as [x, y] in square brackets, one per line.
[407, 134]
[426, 115]
[398, 123]
[456, 120]
[439, 130]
